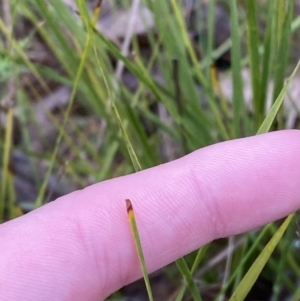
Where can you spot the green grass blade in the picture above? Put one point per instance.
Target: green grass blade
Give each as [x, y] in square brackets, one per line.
[283, 51]
[295, 24]
[186, 273]
[108, 160]
[5, 161]
[13, 208]
[296, 295]
[238, 94]
[253, 273]
[254, 60]
[280, 14]
[285, 250]
[210, 35]
[187, 41]
[266, 125]
[267, 59]
[199, 257]
[151, 158]
[134, 159]
[138, 246]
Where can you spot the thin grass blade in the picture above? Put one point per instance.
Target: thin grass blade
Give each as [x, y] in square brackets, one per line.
[254, 59]
[238, 94]
[5, 160]
[134, 159]
[200, 255]
[267, 58]
[283, 50]
[285, 250]
[138, 246]
[188, 277]
[266, 125]
[253, 273]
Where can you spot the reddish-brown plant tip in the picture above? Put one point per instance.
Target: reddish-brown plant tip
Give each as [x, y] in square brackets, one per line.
[128, 205]
[99, 3]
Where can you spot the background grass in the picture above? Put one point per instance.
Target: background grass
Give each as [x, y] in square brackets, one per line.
[109, 128]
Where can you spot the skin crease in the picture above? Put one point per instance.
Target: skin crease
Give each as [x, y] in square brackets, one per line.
[80, 247]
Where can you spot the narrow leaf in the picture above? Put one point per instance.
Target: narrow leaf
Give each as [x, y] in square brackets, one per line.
[266, 125]
[6, 156]
[138, 246]
[253, 273]
[253, 44]
[185, 271]
[238, 94]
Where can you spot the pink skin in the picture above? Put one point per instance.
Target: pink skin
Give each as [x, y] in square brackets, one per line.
[80, 247]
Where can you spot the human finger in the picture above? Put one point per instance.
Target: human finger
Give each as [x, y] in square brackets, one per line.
[80, 247]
